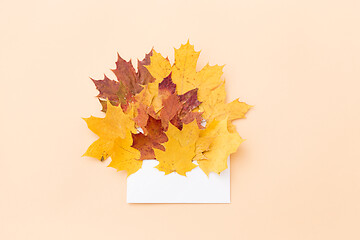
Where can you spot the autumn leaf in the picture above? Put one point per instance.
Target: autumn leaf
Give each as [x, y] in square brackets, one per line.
[112, 90]
[214, 146]
[174, 108]
[124, 157]
[184, 68]
[159, 66]
[108, 89]
[128, 84]
[116, 124]
[215, 107]
[208, 79]
[153, 139]
[126, 74]
[179, 150]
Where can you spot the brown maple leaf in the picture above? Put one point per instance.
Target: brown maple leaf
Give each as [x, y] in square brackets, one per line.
[177, 109]
[112, 90]
[146, 143]
[128, 84]
[126, 74]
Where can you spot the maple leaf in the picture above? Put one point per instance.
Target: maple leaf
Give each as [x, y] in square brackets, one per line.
[126, 74]
[214, 146]
[128, 84]
[112, 90]
[159, 66]
[215, 106]
[115, 124]
[179, 150]
[174, 108]
[108, 89]
[153, 139]
[124, 157]
[184, 68]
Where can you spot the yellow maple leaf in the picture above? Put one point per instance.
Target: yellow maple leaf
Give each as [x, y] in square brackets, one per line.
[179, 149]
[116, 124]
[208, 79]
[215, 107]
[184, 68]
[124, 157]
[159, 67]
[222, 144]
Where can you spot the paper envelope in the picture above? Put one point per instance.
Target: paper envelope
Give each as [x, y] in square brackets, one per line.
[149, 185]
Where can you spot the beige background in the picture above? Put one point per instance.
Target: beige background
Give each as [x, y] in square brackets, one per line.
[296, 176]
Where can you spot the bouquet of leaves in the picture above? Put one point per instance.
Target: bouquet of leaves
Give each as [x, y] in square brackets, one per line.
[171, 113]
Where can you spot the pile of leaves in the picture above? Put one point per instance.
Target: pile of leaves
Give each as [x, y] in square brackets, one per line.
[171, 113]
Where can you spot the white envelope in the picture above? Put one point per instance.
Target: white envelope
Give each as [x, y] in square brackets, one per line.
[149, 185]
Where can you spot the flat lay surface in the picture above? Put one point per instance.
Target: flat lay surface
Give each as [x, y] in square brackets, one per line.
[295, 177]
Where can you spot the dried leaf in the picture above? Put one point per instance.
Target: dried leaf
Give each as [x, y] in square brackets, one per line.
[125, 73]
[222, 144]
[179, 150]
[159, 66]
[115, 125]
[174, 108]
[215, 106]
[108, 89]
[184, 68]
[129, 82]
[124, 157]
[153, 139]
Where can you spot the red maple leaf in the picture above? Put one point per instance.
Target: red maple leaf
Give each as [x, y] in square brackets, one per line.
[146, 143]
[128, 82]
[177, 109]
